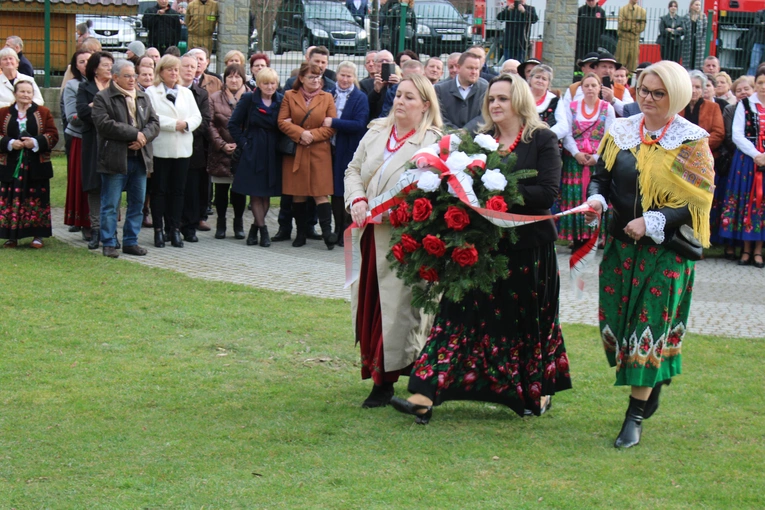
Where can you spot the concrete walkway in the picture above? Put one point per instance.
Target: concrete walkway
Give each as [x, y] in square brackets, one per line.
[728, 300]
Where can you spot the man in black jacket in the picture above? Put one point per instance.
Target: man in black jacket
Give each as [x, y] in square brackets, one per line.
[15, 43]
[126, 124]
[591, 24]
[163, 24]
[518, 18]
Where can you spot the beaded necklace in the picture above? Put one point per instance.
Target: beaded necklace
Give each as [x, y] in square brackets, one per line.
[658, 139]
[590, 115]
[399, 142]
[514, 144]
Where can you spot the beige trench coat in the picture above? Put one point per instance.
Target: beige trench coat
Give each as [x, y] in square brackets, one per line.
[404, 329]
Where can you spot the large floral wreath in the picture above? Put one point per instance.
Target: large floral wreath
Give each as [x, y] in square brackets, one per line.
[440, 244]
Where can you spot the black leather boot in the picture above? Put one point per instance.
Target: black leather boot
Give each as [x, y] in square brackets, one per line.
[175, 238]
[379, 397]
[324, 212]
[632, 427]
[95, 239]
[252, 237]
[159, 238]
[265, 241]
[220, 228]
[298, 212]
[238, 228]
[652, 404]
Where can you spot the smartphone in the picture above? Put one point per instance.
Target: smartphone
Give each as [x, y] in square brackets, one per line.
[387, 70]
[607, 81]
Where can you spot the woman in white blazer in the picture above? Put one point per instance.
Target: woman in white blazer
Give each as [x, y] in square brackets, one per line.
[179, 116]
[9, 74]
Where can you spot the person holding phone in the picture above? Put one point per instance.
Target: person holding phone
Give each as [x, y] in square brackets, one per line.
[616, 94]
[384, 76]
[27, 136]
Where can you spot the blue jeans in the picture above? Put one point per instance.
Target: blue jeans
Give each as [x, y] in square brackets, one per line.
[112, 186]
[757, 50]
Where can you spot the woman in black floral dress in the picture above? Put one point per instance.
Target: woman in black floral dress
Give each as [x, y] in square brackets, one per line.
[506, 346]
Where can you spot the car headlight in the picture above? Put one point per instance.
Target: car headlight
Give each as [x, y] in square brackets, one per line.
[468, 32]
[320, 33]
[363, 34]
[423, 30]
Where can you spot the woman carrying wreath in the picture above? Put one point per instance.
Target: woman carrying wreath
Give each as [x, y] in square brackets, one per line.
[506, 346]
[389, 331]
[657, 171]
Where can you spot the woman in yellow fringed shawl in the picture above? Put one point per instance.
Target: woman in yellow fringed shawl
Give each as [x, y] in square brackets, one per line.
[657, 171]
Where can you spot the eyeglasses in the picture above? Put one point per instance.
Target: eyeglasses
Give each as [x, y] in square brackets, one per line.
[130, 76]
[657, 95]
[312, 78]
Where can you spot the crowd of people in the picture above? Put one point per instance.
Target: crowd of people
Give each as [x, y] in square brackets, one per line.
[161, 127]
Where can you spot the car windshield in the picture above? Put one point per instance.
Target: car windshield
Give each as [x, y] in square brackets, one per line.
[441, 11]
[327, 10]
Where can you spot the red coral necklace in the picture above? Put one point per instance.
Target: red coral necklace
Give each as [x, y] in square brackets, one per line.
[590, 115]
[515, 143]
[399, 142]
[648, 141]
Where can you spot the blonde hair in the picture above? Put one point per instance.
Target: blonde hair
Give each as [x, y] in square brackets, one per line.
[676, 80]
[725, 76]
[743, 79]
[432, 116]
[267, 75]
[235, 53]
[166, 62]
[521, 102]
[592, 75]
[347, 64]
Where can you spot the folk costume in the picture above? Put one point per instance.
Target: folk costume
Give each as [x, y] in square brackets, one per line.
[632, 19]
[506, 346]
[646, 285]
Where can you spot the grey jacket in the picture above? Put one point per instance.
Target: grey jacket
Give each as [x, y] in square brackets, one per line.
[457, 111]
[115, 133]
[73, 126]
[631, 109]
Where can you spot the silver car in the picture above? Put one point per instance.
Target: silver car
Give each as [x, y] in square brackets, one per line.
[113, 32]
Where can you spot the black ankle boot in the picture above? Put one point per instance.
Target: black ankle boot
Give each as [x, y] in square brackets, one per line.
[175, 239]
[379, 397]
[238, 228]
[159, 238]
[220, 228]
[298, 212]
[632, 427]
[283, 234]
[324, 212]
[95, 239]
[652, 404]
[252, 237]
[265, 241]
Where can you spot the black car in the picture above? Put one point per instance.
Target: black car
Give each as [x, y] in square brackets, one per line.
[440, 28]
[303, 23]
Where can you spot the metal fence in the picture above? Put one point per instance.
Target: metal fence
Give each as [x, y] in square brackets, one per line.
[285, 28]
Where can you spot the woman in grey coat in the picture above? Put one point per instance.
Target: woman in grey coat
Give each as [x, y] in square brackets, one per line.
[694, 36]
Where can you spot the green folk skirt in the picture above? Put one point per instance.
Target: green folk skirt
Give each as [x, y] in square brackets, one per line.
[645, 298]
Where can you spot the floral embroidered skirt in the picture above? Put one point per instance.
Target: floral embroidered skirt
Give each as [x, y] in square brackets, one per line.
[25, 207]
[76, 211]
[645, 298]
[505, 347]
[572, 227]
[741, 219]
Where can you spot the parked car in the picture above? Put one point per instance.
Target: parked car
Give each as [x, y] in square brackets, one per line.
[113, 32]
[303, 23]
[441, 28]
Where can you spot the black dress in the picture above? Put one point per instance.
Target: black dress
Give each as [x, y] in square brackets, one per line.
[91, 179]
[254, 127]
[507, 346]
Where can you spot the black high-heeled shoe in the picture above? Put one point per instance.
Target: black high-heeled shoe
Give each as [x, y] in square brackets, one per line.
[406, 407]
[761, 263]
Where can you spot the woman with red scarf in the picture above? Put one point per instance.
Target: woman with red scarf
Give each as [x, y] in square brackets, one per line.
[743, 216]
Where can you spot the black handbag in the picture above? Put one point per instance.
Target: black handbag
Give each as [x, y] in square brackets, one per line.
[286, 145]
[685, 244]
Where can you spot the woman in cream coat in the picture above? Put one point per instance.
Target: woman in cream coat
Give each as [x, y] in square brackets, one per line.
[179, 116]
[390, 332]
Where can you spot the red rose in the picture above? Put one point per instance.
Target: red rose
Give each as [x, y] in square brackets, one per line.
[496, 203]
[422, 209]
[434, 246]
[465, 256]
[456, 218]
[400, 215]
[409, 243]
[428, 274]
[398, 252]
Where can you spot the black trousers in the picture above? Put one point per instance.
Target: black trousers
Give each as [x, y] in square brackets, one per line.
[168, 185]
[191, 201]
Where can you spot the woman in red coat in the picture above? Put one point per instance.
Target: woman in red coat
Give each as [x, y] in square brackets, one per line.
[27, 135]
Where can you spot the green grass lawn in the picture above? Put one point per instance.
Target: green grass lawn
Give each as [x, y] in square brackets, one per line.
[123, 386]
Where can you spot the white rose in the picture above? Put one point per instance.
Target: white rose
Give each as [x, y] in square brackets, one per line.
[428, 182]
[454, 142]
[479, 157]
[422, 162]
[465, 180]
[494, 180]
[458, 161]
[486, 142]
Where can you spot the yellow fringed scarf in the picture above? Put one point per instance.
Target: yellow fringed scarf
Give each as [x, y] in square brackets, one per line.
[672, 178]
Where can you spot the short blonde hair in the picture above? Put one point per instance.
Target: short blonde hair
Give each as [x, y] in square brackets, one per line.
[521, 101]
[432, 116]
[266, 75]
[9, 52]
[724, 76]
[166, 62]
[235, 53]
[742, 79]
[675, 79]
[347, 64]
